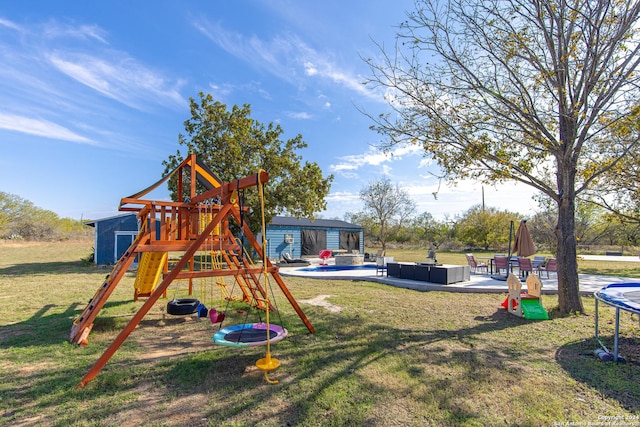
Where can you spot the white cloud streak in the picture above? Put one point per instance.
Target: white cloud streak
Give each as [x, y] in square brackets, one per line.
[299, 115]
[57, 81]
[285, 56]
[9, 24]
[42, 128]
[122, 79]
[374, 157]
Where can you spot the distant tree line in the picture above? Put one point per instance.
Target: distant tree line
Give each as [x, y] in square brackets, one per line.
[488, 228]
[20, 219]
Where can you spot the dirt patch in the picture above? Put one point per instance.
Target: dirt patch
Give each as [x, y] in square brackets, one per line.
[321, 301]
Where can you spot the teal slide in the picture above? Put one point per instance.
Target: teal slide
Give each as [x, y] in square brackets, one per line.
[532, 309]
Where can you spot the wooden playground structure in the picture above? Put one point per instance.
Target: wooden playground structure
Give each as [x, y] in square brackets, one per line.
[191, 225]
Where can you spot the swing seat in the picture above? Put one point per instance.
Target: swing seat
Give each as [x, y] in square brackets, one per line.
[215, 316]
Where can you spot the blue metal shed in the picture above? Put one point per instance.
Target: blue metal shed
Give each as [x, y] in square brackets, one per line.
[112, 237]
[303, 237]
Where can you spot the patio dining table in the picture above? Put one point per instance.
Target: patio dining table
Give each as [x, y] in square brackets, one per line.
[487, 260]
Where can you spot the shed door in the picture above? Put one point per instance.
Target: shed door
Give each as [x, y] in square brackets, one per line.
[350, 240]
[313, 241]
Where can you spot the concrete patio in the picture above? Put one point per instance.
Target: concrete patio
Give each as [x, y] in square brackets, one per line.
[479, 282]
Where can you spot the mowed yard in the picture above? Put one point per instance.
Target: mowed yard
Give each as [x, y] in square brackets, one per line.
[381, 356]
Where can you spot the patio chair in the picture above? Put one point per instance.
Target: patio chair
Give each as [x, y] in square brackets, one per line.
[537, 262]
[381, 265]
[288, 260]
[550, 266]
[501, 263]
[525, 265]
[324, 255]
[475, 265]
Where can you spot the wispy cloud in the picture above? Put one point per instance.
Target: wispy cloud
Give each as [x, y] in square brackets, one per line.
[59, 81]
[324, 68]
[9, 24]
[54, 30]
[299, 115]
[52, 52]
[223, 90]
[374, 157]
[267, 55]
[286, 56]
[40, 127]
[120, 78]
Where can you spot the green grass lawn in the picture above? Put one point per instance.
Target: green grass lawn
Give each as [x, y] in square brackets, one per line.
[388, 357]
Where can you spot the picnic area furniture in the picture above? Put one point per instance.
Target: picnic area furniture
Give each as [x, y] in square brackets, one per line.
[550, 266]
[501, 263]
[476, 266]
[525, 265]
[429, 272]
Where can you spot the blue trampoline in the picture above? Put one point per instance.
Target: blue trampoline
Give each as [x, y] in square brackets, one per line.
[622, 296]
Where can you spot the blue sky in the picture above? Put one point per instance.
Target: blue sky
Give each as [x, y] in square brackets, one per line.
[93, 96]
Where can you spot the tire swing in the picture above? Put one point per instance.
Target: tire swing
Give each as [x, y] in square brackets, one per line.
[255, 334]
[182, 306]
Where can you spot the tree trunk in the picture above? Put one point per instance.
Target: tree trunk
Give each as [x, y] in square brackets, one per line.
[569, 300]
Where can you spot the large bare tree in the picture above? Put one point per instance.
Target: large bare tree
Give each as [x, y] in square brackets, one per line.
[521, 90]
[386, 206]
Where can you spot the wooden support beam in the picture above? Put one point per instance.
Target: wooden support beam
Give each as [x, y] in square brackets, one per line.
[224, 273]
[115, 345]
[227, 188]
[180, 231]
[250, 237]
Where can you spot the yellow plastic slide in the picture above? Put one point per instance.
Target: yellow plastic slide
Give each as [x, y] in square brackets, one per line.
[149, 271]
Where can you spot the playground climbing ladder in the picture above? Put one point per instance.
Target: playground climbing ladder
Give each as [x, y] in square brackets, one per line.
[83, 324]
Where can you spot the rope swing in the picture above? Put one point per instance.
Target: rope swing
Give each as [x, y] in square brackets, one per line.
[267, 363]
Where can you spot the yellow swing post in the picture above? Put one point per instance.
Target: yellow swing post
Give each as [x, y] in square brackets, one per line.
[267, 363]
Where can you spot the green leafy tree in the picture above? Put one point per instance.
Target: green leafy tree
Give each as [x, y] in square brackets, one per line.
[430, 231]
[517, 90]
[234, 145]
[612, 229]
[388, 206]
[21, 219]
[368, 224]
[485, 228]
[618, 191]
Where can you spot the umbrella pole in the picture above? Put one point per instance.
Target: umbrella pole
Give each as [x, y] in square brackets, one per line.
[509, 249]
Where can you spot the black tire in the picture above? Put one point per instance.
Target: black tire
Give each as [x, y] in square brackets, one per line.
[182, 306]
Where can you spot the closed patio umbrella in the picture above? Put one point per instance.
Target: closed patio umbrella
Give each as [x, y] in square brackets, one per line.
[523, 244]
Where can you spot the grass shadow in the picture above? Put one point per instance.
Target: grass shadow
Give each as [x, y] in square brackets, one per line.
[617, 381]
[43, 391]
[48, 326]
[344, 353]
[55, 267]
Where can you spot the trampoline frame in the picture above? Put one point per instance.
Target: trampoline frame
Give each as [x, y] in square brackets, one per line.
[618, 305]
